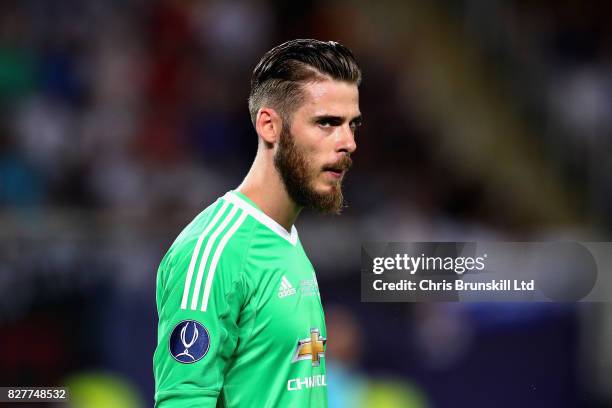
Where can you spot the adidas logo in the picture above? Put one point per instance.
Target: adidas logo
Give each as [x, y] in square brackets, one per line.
[285, 288]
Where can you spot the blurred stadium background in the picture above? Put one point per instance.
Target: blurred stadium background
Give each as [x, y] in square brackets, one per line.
[484, 120]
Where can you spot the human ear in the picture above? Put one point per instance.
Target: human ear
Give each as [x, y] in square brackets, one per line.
[268, 125]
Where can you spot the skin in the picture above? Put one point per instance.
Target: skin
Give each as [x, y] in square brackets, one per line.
[323, 133]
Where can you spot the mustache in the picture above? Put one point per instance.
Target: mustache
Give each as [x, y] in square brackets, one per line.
[343, 164]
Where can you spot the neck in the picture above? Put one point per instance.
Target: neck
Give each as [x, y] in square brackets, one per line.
[264, 186]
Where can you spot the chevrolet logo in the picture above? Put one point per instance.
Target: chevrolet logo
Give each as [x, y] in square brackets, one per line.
[312, 347]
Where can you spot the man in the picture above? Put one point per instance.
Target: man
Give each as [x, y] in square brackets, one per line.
[240, 316]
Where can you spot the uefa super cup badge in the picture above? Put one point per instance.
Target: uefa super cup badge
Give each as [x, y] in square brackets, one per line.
[189, 342]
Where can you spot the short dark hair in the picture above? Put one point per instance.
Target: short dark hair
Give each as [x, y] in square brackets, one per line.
[279, 75]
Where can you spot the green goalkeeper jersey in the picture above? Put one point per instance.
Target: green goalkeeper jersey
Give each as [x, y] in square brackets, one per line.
[240, 316]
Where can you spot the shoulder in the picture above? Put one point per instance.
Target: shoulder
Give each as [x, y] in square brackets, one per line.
[207, 258]
[222, 230]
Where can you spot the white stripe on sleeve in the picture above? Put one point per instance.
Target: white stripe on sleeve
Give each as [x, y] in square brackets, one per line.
[196, 252]
[209, 244]
[215, 260]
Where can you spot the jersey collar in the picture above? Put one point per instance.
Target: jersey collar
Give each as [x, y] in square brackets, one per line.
[247, 205]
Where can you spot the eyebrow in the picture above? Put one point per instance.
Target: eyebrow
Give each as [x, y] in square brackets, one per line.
[337, 119]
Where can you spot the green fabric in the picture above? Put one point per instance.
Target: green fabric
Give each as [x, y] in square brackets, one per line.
[263, 301]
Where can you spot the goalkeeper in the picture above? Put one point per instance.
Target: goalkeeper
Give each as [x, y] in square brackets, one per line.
[240, 317]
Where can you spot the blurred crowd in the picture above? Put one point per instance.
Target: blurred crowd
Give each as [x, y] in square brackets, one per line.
[555, 59]
[124, 104]
[121, 120]
[141, 106]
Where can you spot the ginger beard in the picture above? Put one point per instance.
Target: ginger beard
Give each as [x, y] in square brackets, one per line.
[298, 177]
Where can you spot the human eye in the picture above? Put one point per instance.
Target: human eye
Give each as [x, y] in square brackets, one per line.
[328, 121]
[355, 124]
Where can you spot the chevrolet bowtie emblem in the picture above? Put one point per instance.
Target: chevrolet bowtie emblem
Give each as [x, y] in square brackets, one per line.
[312, 347]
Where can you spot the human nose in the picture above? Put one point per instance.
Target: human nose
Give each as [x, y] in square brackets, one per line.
[346, 139]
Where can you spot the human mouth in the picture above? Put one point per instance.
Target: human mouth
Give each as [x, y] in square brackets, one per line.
[338, 169]
[335, 171]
